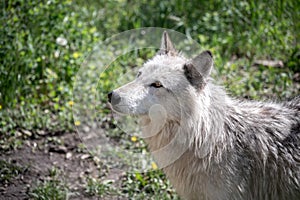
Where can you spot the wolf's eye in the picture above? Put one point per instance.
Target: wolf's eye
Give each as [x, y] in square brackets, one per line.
[156, 84]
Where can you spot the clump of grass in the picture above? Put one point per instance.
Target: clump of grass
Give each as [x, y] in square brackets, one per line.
[148, 185]
[52, 189]
[8, 171]
[99, 188]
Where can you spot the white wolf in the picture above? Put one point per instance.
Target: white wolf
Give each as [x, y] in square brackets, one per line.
[209, 145]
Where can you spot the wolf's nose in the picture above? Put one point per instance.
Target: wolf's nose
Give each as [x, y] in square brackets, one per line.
[109, 97]
[113, 98]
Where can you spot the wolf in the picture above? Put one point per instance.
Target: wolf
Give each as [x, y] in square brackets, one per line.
[210, 145]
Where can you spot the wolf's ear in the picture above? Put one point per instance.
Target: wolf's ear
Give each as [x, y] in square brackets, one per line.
[203, 63]
[198, 69]
[166, 47]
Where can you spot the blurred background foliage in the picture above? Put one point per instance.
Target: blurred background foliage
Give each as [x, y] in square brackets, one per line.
[43, 44]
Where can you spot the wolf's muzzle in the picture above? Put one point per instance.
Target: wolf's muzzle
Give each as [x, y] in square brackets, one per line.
[113, 98]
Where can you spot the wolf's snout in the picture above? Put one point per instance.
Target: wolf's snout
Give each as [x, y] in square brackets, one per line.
[109, 97]
[113, 98]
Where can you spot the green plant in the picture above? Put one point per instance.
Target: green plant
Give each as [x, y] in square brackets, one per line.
[8, 171]
[51, 189]
[99, 188]
[147, 185]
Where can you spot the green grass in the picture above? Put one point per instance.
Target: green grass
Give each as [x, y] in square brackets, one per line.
[147, 185]
[8, 171]
[100, 188]
[51, 189]
[243, 80]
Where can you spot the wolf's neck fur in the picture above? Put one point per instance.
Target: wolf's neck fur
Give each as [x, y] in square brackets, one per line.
[201, 132]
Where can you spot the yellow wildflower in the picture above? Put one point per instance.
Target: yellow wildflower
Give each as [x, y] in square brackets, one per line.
[133, 139]
[0, 107]
[71, 103]
[76, 55]
[154, 166]
[93, 30]
[77, 123]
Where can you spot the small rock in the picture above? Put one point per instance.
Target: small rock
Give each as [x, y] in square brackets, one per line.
[41, 132]
[86, 129]
[18, 134]
[27, 133]
[84, 156]
[58, 149]
[271, 63]
[96, 160]
[34, 146]
[68, 155]
[27, 142]
[108, 181]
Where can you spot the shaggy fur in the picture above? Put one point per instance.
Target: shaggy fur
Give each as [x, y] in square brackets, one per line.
[209, 145]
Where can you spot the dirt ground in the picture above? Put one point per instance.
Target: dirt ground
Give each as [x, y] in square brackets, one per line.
[36, 157]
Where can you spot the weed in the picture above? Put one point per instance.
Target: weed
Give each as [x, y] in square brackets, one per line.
[51, 189]
[8, 171]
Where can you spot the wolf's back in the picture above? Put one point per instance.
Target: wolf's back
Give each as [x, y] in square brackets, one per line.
[294, 104]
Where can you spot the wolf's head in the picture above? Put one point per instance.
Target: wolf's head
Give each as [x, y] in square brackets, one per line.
[168, 80]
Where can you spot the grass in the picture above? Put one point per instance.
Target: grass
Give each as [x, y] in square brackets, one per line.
[147, 185]
[100, 188]
[243, 80]
[8, 171]
[51, 189]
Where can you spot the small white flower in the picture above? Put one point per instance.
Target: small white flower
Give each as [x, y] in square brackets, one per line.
[56, 53]
[61, 41]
